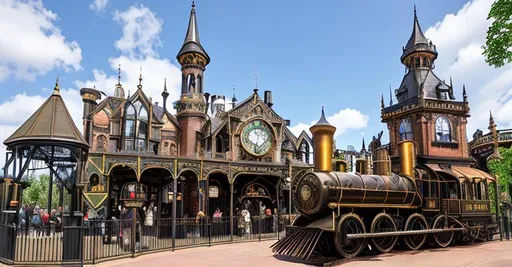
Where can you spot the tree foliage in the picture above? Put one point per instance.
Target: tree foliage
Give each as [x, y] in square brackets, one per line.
[37, 192]
[502, 169]
[497, 48]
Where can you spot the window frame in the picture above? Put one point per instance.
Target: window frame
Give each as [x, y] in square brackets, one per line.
[443, 121]
[407, 135]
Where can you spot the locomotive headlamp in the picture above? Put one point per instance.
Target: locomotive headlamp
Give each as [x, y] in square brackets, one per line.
[305, 192]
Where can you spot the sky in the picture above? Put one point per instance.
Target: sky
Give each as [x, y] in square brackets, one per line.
[342, 55]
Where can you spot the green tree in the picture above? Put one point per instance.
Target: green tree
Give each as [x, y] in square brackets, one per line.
[502, 169]
[497, 48]
[37, 192]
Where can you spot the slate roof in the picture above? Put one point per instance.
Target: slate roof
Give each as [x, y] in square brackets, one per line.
[191, 42]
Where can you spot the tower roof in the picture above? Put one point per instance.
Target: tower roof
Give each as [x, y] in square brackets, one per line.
[322, 120]
[50, 123]
[192, 43]
[418, 42]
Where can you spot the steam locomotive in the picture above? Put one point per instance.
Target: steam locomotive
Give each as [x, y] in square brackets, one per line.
[348, 212]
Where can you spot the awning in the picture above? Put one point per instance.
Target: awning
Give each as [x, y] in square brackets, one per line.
[472, 173]
[436, 168]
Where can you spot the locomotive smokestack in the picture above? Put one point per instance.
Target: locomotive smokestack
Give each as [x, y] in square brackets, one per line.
[340, 166]
[407, 158]
[382, 162]
[361, 166]
[323, 134]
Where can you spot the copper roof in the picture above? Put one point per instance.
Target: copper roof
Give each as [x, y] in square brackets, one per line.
[50, 123]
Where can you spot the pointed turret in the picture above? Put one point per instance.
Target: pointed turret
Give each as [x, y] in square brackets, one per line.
[192, 43]
[382, 102]
[390, 96]
[418, 42]
[363, 146]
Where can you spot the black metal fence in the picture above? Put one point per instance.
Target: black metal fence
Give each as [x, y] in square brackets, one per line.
[100, 240]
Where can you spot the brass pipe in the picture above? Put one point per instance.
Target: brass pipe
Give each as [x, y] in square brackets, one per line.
[407, 154]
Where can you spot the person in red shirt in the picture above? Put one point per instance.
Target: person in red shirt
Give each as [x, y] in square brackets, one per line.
[46, 218]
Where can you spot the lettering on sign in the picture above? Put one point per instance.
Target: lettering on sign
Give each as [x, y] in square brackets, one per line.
[475, 207]
[213, 191]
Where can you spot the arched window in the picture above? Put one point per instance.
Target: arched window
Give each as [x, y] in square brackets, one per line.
[443, 130]
[425, 62]
[129, 127]
[405, 130]
[183, 84]
[199, 84]
[190, 83]
[416, 62]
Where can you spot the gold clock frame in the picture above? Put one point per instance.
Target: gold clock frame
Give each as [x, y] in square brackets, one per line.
[272, 136]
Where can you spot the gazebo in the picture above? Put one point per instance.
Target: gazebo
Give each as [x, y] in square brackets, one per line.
[49, 139]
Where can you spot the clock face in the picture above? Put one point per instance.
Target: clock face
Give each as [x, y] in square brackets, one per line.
[256, 138]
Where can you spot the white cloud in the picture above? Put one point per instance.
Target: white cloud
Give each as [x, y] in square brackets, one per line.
[344, 120]
[138, 43]
[98, 5]
[141, 30]
[31, 43]
[459, 38]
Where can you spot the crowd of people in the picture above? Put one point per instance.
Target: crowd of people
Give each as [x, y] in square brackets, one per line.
[31, 216]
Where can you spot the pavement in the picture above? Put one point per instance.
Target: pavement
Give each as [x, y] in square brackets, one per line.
[488, 254]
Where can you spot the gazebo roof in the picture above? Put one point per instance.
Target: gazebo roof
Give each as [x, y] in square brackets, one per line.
[51, 123]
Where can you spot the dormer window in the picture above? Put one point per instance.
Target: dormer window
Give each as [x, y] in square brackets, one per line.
[136, 127]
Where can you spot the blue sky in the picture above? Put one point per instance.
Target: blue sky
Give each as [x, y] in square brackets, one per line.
[338, 54]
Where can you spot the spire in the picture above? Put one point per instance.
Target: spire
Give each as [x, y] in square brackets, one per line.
[491, 121]
[322, 120]
[140, 79]
[390, 96]
[191, 44]
[464, 95]
[382, 101]
[56, 89]
[119, 91]
[418, 42]
[119, 75]
[165, 94]
[364, 146]
[233, 100]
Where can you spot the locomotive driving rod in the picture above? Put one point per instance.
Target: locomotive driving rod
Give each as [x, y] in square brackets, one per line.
[413, 232]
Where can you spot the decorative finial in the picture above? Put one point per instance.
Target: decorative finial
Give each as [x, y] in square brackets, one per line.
[415, 17]
[382, 101]
[193, 4]
[234, 97]
[256, 78]
[56, 89]
[464, 95]
[364, 146]
[140, 77]
[119, 74]
[128, 95]
[94, 86]
[451, 83]
[165, 84]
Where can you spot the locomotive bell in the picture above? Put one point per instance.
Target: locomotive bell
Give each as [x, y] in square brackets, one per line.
[323, 134]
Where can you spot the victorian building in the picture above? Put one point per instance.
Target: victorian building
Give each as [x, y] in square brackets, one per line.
[428, 113]
[215, 157]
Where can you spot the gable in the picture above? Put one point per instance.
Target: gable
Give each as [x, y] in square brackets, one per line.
[254, 106]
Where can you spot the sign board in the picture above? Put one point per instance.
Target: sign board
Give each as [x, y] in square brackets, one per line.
[475, 206]
[133, 195]
[213, 191]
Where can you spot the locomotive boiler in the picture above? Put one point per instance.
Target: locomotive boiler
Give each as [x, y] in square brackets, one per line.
[347, 212]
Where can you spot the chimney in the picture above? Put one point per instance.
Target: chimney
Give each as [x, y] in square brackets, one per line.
[407, 153]
[323, 134]
[382, 162]
[268, 99]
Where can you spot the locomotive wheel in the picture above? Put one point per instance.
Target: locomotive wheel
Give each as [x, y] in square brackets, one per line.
[415, 222]
[349, 224]
[384, 223]
[443, 239]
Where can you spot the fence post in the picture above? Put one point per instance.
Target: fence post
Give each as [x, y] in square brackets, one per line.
[209, 224]
[259, 228]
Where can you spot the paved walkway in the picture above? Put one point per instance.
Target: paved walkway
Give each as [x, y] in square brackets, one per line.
[490, 254]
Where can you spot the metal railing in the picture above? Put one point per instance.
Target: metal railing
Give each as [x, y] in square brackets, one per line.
[100, 240]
